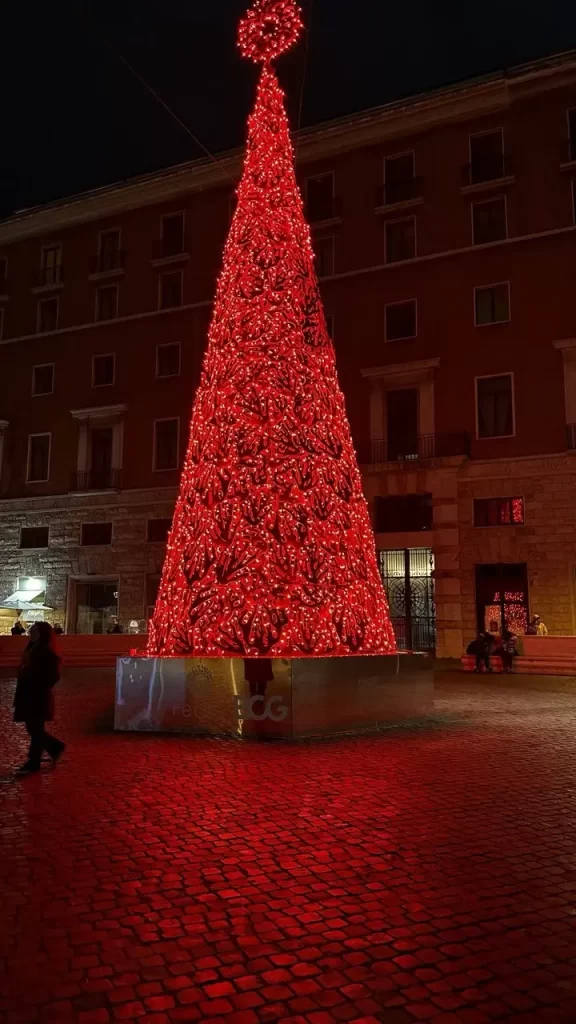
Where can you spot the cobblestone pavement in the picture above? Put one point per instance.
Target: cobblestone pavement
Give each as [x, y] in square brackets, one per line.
[414, 876]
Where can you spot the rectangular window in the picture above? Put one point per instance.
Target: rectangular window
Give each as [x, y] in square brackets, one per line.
[400, 240]
[96, 533]
[34, 537]
[399, 179]
[170, 290]
[107, 302]
[400, 318]
[572, 134]
[38, 471]
[320, 198]
[168, 360]
[402, 424]
[166, 444]
[489, 221]
[403, 514]
[109, 256]
[43, 379]
[172, 234]
[103, 370]
[47, 315]
[324, 250]
[486, 156]
[499, 512]
[3, 272]
[492, 304]
[495, 406]
[51, 264]
[158, 530]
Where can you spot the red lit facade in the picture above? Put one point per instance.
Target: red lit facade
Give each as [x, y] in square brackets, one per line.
[445, 241]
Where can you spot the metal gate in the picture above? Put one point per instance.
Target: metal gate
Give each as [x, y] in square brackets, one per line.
[407, 577]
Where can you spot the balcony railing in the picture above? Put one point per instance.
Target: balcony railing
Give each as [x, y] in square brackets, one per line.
[415, 449]
[97, 480]
[167, 248]
[571, 437]
[328, 209]
[107, 262]
[489, 168]
[399, 192]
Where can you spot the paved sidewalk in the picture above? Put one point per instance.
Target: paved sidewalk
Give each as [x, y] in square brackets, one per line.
[421, 876]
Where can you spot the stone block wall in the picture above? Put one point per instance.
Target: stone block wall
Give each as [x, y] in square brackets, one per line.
[130, 557]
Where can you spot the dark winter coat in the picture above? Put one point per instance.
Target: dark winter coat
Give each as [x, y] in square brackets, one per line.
[37, 677]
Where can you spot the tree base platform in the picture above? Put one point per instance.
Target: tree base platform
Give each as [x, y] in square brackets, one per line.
[283, 698]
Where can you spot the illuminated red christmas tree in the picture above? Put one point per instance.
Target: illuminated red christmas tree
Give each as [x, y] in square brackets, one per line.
[271, 551]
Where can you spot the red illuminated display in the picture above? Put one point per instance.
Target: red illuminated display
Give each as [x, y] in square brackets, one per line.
[271, 551]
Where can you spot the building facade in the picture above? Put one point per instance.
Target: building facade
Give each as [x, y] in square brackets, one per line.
[444, 229]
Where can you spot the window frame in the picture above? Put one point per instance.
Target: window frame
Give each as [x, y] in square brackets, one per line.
[571, 141]
[485, 202]
[41, 433]
[42, 366]
[401, 302]
[108, 231]
[477, 135]
[399, 220]
[326, 238]
[170, 273]
[161, 519]
[42, 301]
[33, 547]
[317, 177]
[505, 526]
[99, 288]
[490, 376]
[165, 419]
[46, 248]
[108, 544]
[169, 344]
[103, 355]
[168, 216]
[485, 287]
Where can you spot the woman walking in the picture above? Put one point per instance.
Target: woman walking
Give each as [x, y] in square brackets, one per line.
[34, 699]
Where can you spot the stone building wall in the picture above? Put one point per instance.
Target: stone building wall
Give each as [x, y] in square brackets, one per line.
[130, 557]
[546, 542]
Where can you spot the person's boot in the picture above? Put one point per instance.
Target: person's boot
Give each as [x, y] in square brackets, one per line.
[28, 768]
[58, 753]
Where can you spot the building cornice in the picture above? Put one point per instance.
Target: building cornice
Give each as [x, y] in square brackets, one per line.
[414, 115]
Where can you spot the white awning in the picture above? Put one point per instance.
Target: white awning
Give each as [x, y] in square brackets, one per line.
[25, 600]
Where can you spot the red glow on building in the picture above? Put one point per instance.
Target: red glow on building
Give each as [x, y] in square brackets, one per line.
[271, 550]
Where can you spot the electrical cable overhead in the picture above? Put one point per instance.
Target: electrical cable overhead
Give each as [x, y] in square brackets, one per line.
[168, 109]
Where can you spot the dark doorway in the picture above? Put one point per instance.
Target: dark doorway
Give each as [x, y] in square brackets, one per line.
[402, 424]
[502, 597]
[407, 577]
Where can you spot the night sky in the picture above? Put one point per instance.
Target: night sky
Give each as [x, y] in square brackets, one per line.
[73, 117]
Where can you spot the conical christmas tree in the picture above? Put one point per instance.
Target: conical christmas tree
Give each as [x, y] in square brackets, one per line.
[271, 551]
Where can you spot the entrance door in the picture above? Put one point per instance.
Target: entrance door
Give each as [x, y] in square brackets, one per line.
[96, 604]
[402, 423]
[502, 597]
[407, 577]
